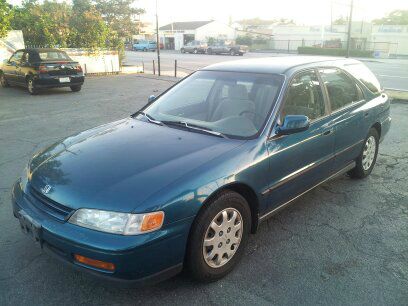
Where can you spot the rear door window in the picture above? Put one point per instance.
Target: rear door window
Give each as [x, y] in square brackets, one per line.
[341, 88]
[365, 76]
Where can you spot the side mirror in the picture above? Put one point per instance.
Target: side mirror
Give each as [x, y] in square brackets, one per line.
[151, 98]
[293, 124]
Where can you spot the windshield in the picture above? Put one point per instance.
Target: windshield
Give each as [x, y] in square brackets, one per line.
[234, 104]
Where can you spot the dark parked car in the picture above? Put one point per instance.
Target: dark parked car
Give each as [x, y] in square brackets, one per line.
[195, 47]
[41, 68]
[186, 179]
[222, 48]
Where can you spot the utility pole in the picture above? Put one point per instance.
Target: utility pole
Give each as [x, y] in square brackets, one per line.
[331, 16]
[349, 29]
[157, 41]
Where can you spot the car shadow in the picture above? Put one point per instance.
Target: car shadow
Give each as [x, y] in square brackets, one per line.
[12, 90]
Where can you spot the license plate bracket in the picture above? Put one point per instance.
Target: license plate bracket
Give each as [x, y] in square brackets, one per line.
[64, 80]
[30, 227]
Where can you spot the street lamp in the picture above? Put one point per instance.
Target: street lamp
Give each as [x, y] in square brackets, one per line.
[157, 41]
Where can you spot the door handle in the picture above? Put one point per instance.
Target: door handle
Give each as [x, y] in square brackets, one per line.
[365, 115]
[328, 132]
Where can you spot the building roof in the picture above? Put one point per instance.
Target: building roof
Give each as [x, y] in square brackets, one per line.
[278, 64]
[188, 25]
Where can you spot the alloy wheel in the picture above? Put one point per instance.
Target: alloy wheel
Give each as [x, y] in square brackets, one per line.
[370, 147]
[222, 238]
[30, 86]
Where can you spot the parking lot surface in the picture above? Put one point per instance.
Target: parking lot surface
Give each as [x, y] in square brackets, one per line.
[392, 73]
[344, 243]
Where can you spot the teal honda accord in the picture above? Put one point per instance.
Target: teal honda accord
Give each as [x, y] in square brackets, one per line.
[184, 181]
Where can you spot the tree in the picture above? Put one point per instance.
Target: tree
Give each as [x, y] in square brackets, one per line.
[397, 17]
[44, 24]
[120, 16]
[5, 18]
[340, 21]
[88, 30]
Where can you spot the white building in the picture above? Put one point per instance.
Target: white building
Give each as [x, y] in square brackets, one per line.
[175, 35]
[390, 38]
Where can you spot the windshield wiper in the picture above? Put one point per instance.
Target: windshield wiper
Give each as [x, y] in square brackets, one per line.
[149, 118]
[195, 127]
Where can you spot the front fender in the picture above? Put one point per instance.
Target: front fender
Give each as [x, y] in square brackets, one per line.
[246, 164]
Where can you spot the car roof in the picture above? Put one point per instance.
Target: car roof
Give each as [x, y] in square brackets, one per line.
[279, 64]
[40, 50]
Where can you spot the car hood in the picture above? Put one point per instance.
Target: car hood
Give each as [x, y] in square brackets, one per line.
[119, 165]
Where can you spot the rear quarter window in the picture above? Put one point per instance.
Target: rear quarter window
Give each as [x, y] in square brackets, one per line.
[365, 76]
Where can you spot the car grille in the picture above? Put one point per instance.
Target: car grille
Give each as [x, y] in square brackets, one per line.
[47, 205]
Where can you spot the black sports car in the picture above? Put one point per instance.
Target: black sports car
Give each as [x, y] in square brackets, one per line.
[41, 68]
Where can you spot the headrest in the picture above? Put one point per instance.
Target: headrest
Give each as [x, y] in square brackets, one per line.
[237, 91]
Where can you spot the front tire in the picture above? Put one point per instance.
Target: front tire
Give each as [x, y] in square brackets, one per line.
[368, 156]
[182, 50]
[218, 237]
[209, 51]
[3, 80]
[76, 88]
[232, 52]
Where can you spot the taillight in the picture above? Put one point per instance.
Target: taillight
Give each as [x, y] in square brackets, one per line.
[43, 69]
[78, 68]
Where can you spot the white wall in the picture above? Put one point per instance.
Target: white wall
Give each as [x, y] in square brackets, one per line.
[12, 42]
[102, 61]
[215, 29]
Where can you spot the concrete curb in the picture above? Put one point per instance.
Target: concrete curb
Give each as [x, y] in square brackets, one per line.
[397, 95]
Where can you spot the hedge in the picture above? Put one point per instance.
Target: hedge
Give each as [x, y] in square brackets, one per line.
[333, 52]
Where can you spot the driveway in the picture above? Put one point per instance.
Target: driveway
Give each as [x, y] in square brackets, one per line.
[344, 243]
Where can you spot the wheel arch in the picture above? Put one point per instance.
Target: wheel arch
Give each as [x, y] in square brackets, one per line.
[246, 192]
[28, 75]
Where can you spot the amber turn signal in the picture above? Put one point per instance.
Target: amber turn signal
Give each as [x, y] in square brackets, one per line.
[152, 221]
[94, 263]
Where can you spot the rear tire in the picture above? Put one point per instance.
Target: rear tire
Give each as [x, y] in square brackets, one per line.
[368, 156]
[32, 90]
[3, 80]
[76, 88]
[182, 50]
[195, 51]
[209, 51]
[232, 52]
[230, 215]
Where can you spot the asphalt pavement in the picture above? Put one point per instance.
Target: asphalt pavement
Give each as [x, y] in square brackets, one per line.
[344, 243]
[392, 73]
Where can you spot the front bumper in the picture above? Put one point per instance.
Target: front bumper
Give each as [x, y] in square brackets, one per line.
[139, 259]
[50, 81]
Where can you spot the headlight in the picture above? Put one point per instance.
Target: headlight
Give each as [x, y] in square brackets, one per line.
[116, 222]
[24, 178]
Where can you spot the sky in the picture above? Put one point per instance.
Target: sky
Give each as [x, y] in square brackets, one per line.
[310, 12]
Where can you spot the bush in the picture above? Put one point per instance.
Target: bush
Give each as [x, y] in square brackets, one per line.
[244, 40]
[333, 52]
